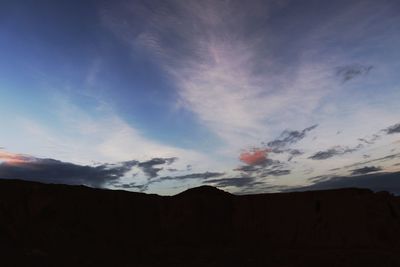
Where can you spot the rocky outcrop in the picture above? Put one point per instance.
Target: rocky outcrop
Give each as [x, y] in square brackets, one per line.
[60, 225]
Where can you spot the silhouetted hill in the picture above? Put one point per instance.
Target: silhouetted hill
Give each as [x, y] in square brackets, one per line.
[60, 225]
[204, 190]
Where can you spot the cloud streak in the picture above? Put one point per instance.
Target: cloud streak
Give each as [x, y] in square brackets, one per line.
[378, 182]
[393, 129]
[288, 137]
[365, 170]
[55, 171]
[349, 72]
[239, 182]
[335, 151]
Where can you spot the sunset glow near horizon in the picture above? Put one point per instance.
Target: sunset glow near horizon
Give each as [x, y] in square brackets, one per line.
[159, 96]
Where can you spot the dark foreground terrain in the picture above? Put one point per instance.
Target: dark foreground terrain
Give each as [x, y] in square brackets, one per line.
[58, 225]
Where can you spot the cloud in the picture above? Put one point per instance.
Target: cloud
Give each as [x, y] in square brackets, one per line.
[380, 159]
[335, 151]
[255, 157]
[266, 173]
[234, 79]
[236, 182]
[320, 155]
[148, 166]
[393, 129]
[258, 156]
[204, 175]
[365, 170]
[289, 137]
[267, 163]
[12, 158]
[371, 140]
[340, 150]
[294, 153]
[349, 72]
[144, 187]
[25, 167]
[377, 182]
[133, 185]
[55, 171]
[246, 83]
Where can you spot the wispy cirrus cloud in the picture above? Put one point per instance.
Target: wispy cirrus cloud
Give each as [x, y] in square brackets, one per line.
[216, 67]
[247, 74]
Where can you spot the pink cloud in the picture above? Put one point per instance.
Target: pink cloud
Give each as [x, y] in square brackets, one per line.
[12, 158]
[255, 156]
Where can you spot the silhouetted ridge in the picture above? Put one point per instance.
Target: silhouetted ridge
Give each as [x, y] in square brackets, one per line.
[204, 190]
[60, 225]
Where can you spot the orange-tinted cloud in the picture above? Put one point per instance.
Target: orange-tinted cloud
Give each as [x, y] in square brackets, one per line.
[12, 158]
[254, 157]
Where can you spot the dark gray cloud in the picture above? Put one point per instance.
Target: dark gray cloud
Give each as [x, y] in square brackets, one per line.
[294, 153]
[275, 173]
[267, 163]
[365, 170]
[349, 72]
[140, 187]
[393, 129]
[289, 137]
[377, 182]
[269, 168]
[320, 178]
[202, 175]
[335, 151]
[55, 171]
[381, 159]
[148, 167]
[370, 140]
[236, 182]
[248, 168]
[326, 154]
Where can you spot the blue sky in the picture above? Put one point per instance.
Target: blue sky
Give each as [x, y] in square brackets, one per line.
[254, 96]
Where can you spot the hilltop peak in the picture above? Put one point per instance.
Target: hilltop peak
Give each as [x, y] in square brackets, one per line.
[204, 190]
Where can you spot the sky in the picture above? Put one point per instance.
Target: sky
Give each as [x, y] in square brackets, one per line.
[159, 96]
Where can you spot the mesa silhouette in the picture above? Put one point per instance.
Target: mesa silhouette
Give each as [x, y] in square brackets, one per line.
[62, 225]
